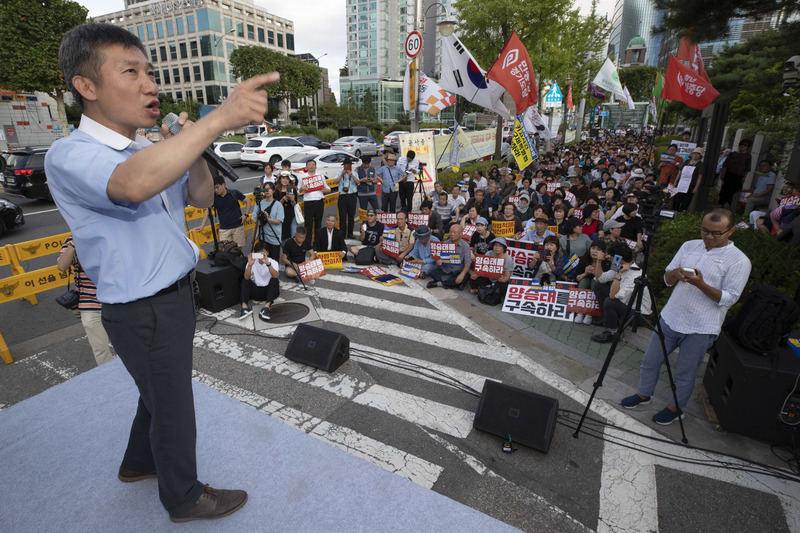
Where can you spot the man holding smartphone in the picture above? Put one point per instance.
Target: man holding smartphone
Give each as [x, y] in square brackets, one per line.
[693, 316]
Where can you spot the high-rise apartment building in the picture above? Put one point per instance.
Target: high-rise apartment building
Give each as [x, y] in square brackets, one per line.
[376, 59]
[189, 42]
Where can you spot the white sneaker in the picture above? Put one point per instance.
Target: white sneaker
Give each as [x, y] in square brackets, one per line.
[587, 320]
[579, 318]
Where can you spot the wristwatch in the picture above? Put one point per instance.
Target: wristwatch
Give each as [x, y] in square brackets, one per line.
[618, 279]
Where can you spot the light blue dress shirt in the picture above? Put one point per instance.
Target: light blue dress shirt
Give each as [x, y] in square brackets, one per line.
[130, 250]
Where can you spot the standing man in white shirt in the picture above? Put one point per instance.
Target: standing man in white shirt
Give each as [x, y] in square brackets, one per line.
[409, 166]
[710, 274]
[313, 202]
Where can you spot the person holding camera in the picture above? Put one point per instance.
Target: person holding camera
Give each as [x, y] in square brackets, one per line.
[709, 275]
[409, 165]
[260, 281]
[269, 218]
[367, 184]
[348, 192]
[231, 219]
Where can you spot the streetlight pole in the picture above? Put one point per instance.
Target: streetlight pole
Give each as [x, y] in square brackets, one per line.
[216, 54]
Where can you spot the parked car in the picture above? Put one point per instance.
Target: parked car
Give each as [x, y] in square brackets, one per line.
[260, 150]
[230, 152]
[438, 131]
[357, 146]
[329, 162]
[10, 216]
[392, 140]
[24, 173]
[308, 140]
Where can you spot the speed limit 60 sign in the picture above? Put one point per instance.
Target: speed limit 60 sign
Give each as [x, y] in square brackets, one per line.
[413, 44]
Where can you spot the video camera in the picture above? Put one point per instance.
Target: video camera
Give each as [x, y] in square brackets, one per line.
[654, 206]
[258, 194]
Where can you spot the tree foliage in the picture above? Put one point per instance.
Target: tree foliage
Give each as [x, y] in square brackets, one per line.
[558, 38]
[707, 20]
[368, 106]
[298, 78]
[639, 80]
[30, 34]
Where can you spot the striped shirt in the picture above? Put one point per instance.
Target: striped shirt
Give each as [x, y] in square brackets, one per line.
[86, 287]
[726, 268]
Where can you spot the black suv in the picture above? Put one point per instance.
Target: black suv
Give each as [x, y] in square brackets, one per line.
[24, 173]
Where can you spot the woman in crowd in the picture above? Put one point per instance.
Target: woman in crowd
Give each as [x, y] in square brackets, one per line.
[591, 223]
[549, 266]
[540, 197]
[506, 214]
[560, 218]
[524, 210]
[499, 247]
[470, 217]
[481, 239]
[285, 194]
[592, 264]
[609, 204]
[573, 240]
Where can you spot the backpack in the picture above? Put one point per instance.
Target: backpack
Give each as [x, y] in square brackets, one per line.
[490, 294]
[365, 256]
[764, 320]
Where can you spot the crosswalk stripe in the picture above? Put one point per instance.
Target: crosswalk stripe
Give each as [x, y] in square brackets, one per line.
[46, 370]
[427, 413]
[388, 457]
[402, 331]
[379, 303]
[434, 415]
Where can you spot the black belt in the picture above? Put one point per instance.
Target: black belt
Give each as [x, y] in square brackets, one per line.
[183, 282]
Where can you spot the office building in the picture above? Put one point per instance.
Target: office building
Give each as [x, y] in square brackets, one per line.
[634, 18]
[189, 42]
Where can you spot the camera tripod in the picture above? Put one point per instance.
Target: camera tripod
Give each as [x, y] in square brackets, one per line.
[633, 315]
[419, 186]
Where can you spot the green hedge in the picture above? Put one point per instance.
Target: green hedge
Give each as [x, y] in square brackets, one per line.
[773, 262]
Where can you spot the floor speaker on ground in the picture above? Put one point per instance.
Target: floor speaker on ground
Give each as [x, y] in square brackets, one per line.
[318, 347]
[748, 390]
[525, 417]
[219, 286]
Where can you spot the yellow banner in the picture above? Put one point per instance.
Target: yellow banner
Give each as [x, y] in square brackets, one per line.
[503, 228]
[520, 148]
[331, 260]
[413, 83]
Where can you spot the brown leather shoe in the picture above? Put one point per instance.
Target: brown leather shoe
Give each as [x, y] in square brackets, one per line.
[129, 476]
[213, 503]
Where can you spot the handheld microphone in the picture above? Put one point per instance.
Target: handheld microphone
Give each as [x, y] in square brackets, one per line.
[171, 122]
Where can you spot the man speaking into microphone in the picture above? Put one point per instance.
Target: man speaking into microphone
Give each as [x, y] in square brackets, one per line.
[124, 200]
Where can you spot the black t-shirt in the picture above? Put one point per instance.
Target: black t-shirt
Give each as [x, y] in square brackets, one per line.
[480, 245]
[373, 234]
[632, 228]
[228, 210]
[294, 252]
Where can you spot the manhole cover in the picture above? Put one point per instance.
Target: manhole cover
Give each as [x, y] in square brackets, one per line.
[287, 312]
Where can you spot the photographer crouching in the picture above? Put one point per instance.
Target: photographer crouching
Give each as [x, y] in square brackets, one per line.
[260, 281]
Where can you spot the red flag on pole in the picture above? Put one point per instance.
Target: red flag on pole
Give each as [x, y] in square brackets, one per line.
[686, 85]
[570, 105]
[513, 70]
[690, 55]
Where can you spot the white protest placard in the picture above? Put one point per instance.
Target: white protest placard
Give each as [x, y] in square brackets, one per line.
[527, 297]
[314, 183]
[311, 269]
[686, 179]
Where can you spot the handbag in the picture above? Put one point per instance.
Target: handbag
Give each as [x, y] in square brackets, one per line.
[69, 299]
[490, 294]
[298, 214]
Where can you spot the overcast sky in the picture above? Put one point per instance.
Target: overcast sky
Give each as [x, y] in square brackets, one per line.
[320, 26]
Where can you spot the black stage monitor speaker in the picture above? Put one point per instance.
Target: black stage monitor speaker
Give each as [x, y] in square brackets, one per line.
[747, 389]
[526, 417]
[220, 286]
[318, 347]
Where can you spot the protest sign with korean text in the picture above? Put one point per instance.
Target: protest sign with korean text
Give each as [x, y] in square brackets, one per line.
[331, 260]
[314, 183]
[416, 220]
[311, 269]
[439, 248]
[503, 228]
[522, 253]
[489, 266]
[527, 297]
[583, 301]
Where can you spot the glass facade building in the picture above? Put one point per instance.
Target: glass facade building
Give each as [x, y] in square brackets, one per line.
[190, 42]
[634, 18]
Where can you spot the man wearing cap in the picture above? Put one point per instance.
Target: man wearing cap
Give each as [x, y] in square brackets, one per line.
[539, 232]
[389, 176]
[348, 192]
[313, 203]
[453, 273]
[371, 233]
[404, 236]
[612, 229]
[367, 184]
[421, 252]
[409, 166]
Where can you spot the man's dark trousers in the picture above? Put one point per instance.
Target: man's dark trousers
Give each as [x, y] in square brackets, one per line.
[154, 339]
[313, 211]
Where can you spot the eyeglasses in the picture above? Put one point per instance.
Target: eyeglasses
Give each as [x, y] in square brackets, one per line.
[705, 231]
